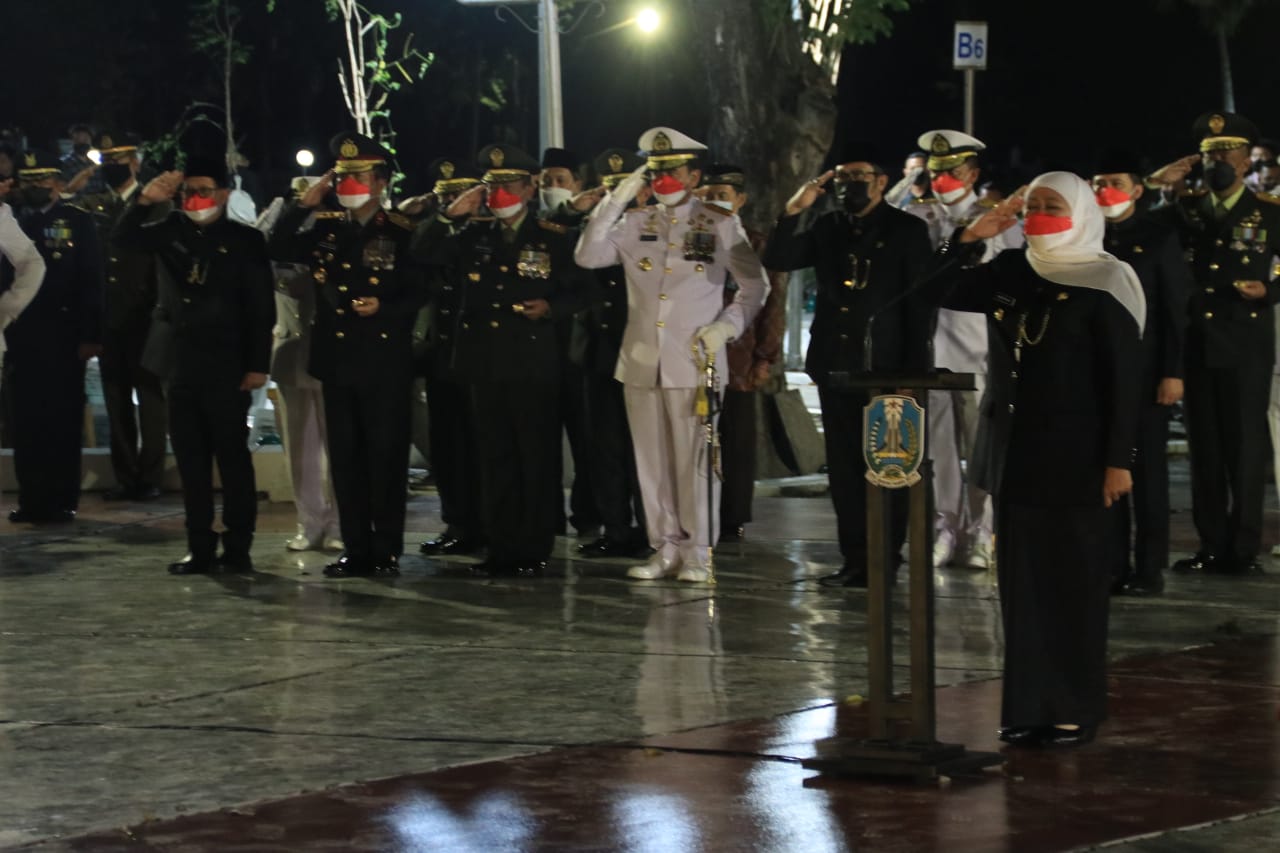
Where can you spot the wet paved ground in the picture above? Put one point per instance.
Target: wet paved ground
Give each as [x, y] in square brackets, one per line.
[581, 711]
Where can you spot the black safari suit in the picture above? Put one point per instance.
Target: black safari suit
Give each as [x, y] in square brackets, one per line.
[364, 363]
[1229, 357]
[1064, 372]
[513, 365]
[211, 325]
[130, 297]
[865, 266]
[43, 372]
[1152, 249]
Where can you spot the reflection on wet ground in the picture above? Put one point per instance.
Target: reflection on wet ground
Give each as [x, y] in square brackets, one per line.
[580, 712]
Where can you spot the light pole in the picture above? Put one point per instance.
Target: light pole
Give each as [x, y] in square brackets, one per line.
[305, 159]
[551, 116]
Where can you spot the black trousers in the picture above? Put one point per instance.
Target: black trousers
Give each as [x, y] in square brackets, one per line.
[1055, 579]
[1142, 519]
[1226, 412]
[46, 394]
[122, 375]
[613, 460]
[737, 457]
[368, 424]
[454, 462]
[518, 430]
[207, 424]
[846, 471]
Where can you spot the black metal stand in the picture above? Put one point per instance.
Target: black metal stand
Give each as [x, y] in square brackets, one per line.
[902, 737]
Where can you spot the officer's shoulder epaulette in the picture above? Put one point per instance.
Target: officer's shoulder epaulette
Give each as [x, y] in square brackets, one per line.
[640, 208]
[1269, 198]
[552, 227]
[75, 206]
[925, 200]
[986, 203]
[1193, 193]
[401, 220]
[330, 214]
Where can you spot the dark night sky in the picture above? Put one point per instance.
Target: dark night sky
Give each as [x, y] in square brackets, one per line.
[1064, 78]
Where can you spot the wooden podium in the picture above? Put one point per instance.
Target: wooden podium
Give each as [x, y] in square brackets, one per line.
[902, 738]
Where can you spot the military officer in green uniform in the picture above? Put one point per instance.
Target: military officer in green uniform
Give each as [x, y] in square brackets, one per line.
[369, 291]
[1230, 236]
[517, 273]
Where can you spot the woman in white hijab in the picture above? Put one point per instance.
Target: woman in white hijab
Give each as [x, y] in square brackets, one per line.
[1058, 425]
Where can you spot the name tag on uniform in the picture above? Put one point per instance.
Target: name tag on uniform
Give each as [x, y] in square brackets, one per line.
[648, 238]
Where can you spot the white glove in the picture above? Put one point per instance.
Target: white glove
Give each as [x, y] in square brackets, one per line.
[629, 187]
[715, 335]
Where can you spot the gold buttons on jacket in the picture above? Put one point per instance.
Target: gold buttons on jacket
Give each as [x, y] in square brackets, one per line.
[844, 309]
[660, 324]
[848, 282]
[503, 268]
[698, 268]
[667, 270]
[342, 288]
[339, 334]
[662, 296]
[1208, 315]
[346, 265]
[373, 279]
[111, 279]
[1137, 250]
[1208, 290]
[1253, 314]
[493, 324]
[473, 276]
[384, 336]
[341, 311]
[644, 264]
[1213, 267]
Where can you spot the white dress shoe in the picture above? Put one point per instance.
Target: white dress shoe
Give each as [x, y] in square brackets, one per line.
[656, 567]
[301, 543]
[943, 547]
[1275, 550]
[333, 543]
[983, 556]
[694, 573]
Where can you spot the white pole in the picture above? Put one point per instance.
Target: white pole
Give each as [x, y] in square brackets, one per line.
[551, 120]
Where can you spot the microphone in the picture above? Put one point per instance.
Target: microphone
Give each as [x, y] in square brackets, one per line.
[916, 286]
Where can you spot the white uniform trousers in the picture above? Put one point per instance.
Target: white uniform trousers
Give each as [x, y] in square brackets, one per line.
[305, 440]
[963, 511]
[1273, 421]
[670, 448]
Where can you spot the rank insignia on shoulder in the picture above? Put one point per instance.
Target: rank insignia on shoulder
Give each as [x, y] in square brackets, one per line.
[987, 203]
[552, 227]
[400, 220]
[925, 200]
[1269, 198]
[329, 214]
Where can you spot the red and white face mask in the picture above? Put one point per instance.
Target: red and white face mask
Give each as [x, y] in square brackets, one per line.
[668, 189]
[503, 203]
[948, 188]
[1114, 203]
[1045, 232]
[199, 209]
[353, 194]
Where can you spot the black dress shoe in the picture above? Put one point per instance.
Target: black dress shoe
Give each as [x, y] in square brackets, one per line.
[447, 543]
[119, 493]
[609, 547]
[192, 565]
[240, 564]
[1240, 566]
[387, 567]
[61, 516]
[1020, 735]
[848, 575]
[730, 533]
[1201, 562]
[1053, 737]
[491, 568]
[347, 567]
[529, 568]
[1143, 588]
[147, 493]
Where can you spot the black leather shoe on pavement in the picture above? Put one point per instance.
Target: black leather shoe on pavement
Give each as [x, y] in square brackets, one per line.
[1055, 738]
[192, 565]
[730, 533]
[530, 568]
[147, 493]
[447, 543]
[1143, 587]
[1201, 562]
[1020, 735]
[387, 567]
[346, 567]
[609, 547]
[237, 564]
[847, 576]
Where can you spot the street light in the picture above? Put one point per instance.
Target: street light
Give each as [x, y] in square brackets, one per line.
[648, 20]
[305, 159]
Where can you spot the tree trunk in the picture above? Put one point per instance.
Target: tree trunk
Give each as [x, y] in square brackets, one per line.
[773, 111]
[1224, 62]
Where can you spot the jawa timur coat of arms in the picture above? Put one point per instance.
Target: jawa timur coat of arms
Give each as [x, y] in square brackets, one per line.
[893, 441]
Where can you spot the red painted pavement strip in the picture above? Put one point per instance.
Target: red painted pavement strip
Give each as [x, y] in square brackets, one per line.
[1193, 738]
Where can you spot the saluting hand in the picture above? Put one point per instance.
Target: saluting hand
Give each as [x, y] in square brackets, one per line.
[995, 221]
[314, 196]
[630, 186]
[466, 204]
[587, 199]
[810, 192]
[1116, 483]
[1176, 172]
[161, 188]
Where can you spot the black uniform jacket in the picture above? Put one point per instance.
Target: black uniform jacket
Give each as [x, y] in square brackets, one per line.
[495, 343]
[67, 309]
[1151, 247]
[352, 261]
[131, 273]
[1063, 375]
[1227, 330]
[215, 308]
[865, 267]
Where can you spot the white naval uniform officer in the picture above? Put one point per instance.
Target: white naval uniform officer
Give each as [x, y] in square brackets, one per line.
[300, 400]
[25, 273]
[963, 523]
[677, 255]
